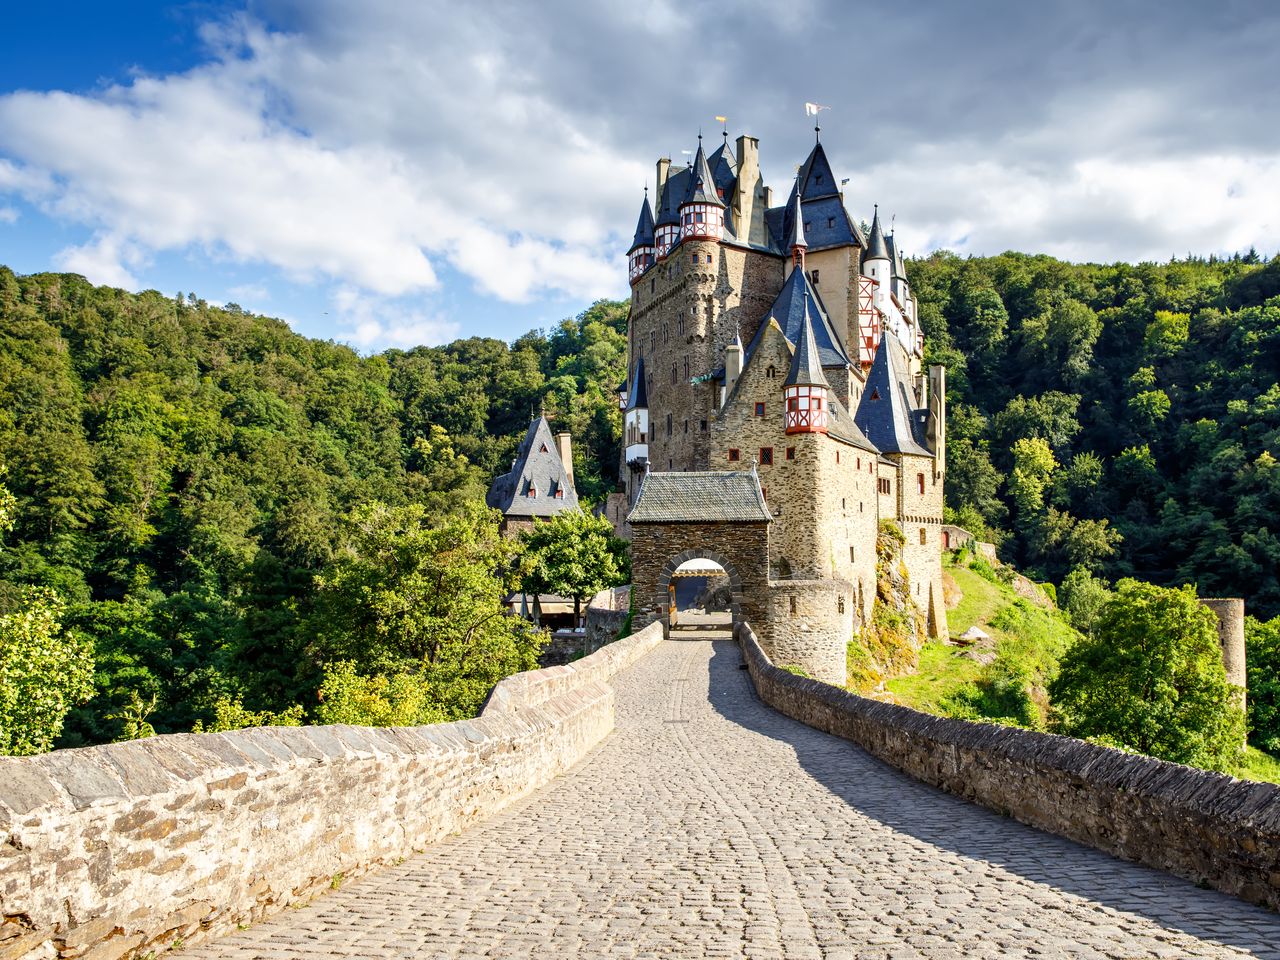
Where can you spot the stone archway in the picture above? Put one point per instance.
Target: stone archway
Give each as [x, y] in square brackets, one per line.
[663, 587]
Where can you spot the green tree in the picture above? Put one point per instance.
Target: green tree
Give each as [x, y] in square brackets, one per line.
[423, 595]
[1150, 678]
[1033, 466]
[44, 671]
[378, 700]
[1262, 654]
[573, 554]
[1083, 596]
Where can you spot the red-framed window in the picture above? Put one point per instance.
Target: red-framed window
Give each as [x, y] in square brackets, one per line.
[759, 409]
[791, 453]
[734, 455]
[766, 456]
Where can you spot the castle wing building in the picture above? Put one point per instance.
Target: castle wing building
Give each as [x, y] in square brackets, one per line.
[540, 482]
[828, 402]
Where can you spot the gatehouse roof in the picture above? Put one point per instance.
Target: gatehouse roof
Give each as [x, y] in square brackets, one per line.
[710, 496]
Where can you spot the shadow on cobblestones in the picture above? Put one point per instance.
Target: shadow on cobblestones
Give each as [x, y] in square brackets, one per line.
[925, 820]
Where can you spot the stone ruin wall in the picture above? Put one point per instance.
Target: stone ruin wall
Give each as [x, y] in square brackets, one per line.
[119, 850]
[1207, 827]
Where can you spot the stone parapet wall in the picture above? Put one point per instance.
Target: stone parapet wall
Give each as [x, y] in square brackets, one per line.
[120, 850]
[606, 614]
[1207, 827]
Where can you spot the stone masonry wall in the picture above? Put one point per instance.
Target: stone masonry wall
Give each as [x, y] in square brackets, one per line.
[118, 850]
[743, 548]
[1207, 827]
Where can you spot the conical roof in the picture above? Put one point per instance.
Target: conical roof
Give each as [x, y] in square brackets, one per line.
[638, 395]
[899, 269]
[806, 365]
[886, 413]
[796, 236]
[702, 186]
[644, 226]
[877, 248]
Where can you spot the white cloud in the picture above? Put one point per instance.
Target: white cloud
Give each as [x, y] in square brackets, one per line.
[382, 146]
[374, 322]
[251, 292]
[8, 215]
[107, 259]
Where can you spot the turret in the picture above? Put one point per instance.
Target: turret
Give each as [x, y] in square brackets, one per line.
[798, 243]
[805, 390]
[636, 421]
[702, 211]
[666, 232]
[642, 254]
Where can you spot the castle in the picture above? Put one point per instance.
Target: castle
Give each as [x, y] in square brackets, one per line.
[777, 408]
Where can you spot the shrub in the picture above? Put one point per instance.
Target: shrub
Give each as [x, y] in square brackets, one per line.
[1262, 652]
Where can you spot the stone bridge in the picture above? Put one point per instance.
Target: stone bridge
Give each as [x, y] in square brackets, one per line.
[711, 824]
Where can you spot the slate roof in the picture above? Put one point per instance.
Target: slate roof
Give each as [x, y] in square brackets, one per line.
[724, 168]
[702, 186]
[672, 193]
[816, 177]
[887, 414]
[899, 269]
[638, 394]
[789, 308]
[877, 248]
[805, 368]
[538, 463]
[795, 238]
[700, 497]
[644, 226]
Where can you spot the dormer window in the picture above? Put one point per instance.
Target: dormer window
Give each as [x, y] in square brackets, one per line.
[543, 448]
[531, 491]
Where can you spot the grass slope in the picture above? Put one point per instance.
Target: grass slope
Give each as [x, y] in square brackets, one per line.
[1028, 641]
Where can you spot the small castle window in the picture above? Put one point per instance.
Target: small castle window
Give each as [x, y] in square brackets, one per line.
[704, 426]
[815, 278]
[674, 373]
[733, 454]
[791, 453]
[840, 605]
[852, 556]
[559, 493]
[759, 409]
[837, 456]
[817, 178]
[924, 535]
[859, 463]
[766, 456]
[686, 426]
[920, 481]
[793, 606]
[771, 371]
[543, 448]
[694, 259]
[842, 503]
[668, 424]
[708, 258]
[831, 222]
[532, 491]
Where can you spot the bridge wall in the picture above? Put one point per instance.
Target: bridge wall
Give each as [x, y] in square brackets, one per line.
[1208, 827]
[115, 851]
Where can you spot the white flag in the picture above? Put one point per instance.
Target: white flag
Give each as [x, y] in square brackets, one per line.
[811, 109]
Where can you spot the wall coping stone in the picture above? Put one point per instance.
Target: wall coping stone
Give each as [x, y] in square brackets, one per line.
[247, 822]
[1207, 827]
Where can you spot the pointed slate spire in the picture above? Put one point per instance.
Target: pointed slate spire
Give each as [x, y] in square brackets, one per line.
[877, 248]
[796, 242]
[702, 186]
[806, 365]
[638, 395]
[644, 226]
[899, 269]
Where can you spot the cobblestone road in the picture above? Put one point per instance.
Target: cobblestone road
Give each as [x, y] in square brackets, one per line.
[710, 826]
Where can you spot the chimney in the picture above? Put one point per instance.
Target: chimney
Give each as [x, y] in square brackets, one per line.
[768, 197]
[732, 366]
[664, 168]
[744, 188]
[565, 449]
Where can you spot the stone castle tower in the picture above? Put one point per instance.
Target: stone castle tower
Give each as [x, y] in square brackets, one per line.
[785, 341]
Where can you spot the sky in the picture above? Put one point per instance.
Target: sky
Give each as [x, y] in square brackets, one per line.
[387, 174]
